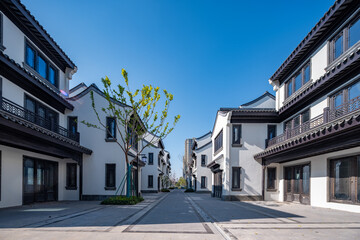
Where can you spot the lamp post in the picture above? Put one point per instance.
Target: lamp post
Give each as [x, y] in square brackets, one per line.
[143, 158]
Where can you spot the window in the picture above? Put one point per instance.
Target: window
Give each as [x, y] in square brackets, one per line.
[71, 176]
[111, 128]
[159, 157]
[134, 139]
[203, 182]
[302, 118]
[345, 100]
[271, 179]
[35, 60]
[150, 181]
[2, 48]
[110, 177]
[236, 174]
[345, 39]
[271, 131]
[218, 141]
[41, 115]
[72, 125]
[344, 180]
[298, 80]
[151, 158]
[236, 134]
[203, 160]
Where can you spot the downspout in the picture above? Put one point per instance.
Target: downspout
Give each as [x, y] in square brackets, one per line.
[263, 180]
[81, 177]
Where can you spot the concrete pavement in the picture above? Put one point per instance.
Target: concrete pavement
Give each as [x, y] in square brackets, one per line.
[177, 215]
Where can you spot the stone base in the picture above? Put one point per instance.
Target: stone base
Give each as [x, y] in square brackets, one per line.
[95, 197]
[203, 191]
[149, 191]
[241, 198]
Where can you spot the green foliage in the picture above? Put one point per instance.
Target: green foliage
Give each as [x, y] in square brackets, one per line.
[171, 188]
[122, 200]
[181, 182]
[165, 190]
[189, 190]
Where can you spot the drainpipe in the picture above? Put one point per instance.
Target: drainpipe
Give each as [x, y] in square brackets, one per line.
[263, 180]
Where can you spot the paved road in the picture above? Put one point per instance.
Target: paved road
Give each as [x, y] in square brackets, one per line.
[177, 215]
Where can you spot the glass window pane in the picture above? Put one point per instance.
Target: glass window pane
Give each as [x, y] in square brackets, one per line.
[307, 73]
[288, 179]
[342, 179]
[338, 46]
[306, 179]
[52, 76]
[236, 134]
[354, 33]
[297, 180]
[30, 57]
[289, 88]
[305, 116]
[298, 82]
[338, 100]
[42, 67]
[296, 121]
[354, 91]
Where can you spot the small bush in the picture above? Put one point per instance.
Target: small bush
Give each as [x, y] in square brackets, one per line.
[189, 190]
[171, 188]
[122, 200]
[165, 190]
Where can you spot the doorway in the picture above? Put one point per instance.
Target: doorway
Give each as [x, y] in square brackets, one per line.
[40, 180]
[297, 184]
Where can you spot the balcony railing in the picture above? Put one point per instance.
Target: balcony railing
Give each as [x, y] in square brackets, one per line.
[19, 111]
[328, 116]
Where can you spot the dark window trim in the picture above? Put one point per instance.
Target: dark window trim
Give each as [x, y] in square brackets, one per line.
[345, 91]
[109, 138]
[2, 48]
[203, 164]
[152, 181]
[68, 186]
[293, 77]
[201, 183]
[346, 44]
[106, 174]
[48, 63]
[232, 179]
[151, 163]
[40, 104]
[217, 148]
[267, 180]
[0, 174]
[297, 115]
[233, 135]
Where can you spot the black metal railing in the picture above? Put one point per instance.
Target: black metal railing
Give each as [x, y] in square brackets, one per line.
[19, 111]
[327, 116]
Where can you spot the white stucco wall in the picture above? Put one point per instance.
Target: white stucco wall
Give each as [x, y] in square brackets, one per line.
[103, 152]
[150, 169]
[266, 102]
[203, 171]
[319, 180]
[12, 176]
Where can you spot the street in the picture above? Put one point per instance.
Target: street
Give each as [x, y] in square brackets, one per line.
[177, 215]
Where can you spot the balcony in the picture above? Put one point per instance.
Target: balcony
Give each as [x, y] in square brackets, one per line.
[328, 115]
[19, 111]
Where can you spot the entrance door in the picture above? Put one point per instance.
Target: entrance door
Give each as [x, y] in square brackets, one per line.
[218, 184]
[40, 180]
[297, 184]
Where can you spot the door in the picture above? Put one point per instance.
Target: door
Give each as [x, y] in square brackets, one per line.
[218, 184]
[39, 180]
[297, 184]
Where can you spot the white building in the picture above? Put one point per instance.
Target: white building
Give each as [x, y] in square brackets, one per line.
[202, 155]
[104, 171]
[41, 158]
[315, 159]
[238, 134]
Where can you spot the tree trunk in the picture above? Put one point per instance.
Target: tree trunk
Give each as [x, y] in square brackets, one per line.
[128, 188]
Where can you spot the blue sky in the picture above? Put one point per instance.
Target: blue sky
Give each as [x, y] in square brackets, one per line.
[209, 54]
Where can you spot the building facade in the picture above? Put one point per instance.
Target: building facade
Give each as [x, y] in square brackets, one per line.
[315, 157]
[188, 163]
[238, 134]
[202, 155]
[41, 158]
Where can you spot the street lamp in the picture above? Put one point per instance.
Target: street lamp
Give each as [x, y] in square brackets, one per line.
[143, 158]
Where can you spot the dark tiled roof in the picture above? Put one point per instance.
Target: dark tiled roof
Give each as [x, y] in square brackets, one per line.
[266, 94]
[334, 15]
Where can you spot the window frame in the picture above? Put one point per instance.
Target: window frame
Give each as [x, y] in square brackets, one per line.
[152, 181]
[300, 116]
[218, 142]
[70, 120]
[292, 80]
[108, 167]
[36, 62]
[70, 186]
[236, 188]
[345, 32]
[236, 144]
[203, 183]
[2, 48]
[345, 95]
[269, 189]
[108, 137]
[203, 160]
[152, 158]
